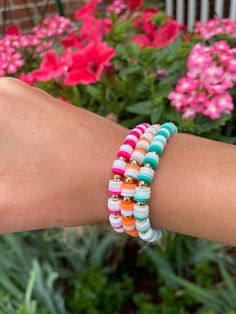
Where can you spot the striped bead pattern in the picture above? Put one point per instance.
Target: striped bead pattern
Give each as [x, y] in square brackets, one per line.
[132, 172]
[116, 187]
[143, 192]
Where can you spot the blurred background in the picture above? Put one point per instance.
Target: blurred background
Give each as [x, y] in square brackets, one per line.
[168, 60]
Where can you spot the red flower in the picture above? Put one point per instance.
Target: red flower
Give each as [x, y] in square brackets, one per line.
[135, 4]
[92, 28]
[167, 34]
[52, 66]
[72, 41]
[12, 30]
[88, 63]
[87, 9]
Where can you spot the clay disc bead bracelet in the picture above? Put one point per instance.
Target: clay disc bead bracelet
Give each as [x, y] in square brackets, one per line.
[118, 169]
[143, 192]
[131, 174]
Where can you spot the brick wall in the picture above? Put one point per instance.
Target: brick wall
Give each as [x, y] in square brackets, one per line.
[26, 13]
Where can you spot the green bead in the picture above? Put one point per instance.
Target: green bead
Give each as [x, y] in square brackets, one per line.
[151, 161]
[142, 177]
[156, 148]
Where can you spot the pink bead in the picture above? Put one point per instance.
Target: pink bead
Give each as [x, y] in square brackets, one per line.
[118, 167]
[125, 151]
[141, 127]
[136, 132]
[113, 211]
[131, 140]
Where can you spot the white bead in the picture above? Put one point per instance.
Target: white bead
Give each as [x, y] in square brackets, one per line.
[114, 185]
[113, 204]
[138, 157]
[133, 173]
[127, 148]
[121, 164]
[157, 235]
[132, 137]
[159, 143]
[152, 130]
[166, 131]
[141, 211]
[143, 192]
[142, 224]
[115, 220]
[127, 192]
[160, 138]
[153, 155]
[129, 228]
[148, 136]
[146, 236]
[149, 172]
[143, 144]
[127, 213]
[119, 230]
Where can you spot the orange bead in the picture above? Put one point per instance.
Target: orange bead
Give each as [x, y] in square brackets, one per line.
[128, 221]
[127, 205]
[128, 186]
[133, 233]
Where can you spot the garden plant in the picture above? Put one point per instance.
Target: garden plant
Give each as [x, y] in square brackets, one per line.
[130, 62]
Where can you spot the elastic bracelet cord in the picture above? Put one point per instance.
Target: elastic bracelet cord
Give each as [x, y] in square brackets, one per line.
[143, 191]
[118, 169]
[130, 182]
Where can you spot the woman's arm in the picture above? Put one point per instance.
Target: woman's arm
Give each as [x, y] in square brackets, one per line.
[56, 161]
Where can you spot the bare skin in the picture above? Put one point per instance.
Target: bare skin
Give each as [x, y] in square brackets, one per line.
[56, 161]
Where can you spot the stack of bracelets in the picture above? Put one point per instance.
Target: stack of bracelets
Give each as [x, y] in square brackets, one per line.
[133, 171]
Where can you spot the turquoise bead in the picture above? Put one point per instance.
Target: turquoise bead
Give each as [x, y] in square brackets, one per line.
[158, 139]
[151, 161]
[162, 132]
[142, 177]
[138, 218]
[140, 199]
[167, 126]
[156, 148]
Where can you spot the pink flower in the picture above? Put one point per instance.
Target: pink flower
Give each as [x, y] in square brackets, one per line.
[87, 9]
[13, 30]
[92, 28]
[88, 63]
[186, 85]
[72, 41]
[167, 34]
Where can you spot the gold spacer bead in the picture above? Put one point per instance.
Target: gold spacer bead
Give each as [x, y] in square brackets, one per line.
[115, 215]
[115, 197]
[147, 165]
[126, 199]
[141, 203]
[134, 162]
[122, 158]
[142, 184]
[116, 177]
[128, 180]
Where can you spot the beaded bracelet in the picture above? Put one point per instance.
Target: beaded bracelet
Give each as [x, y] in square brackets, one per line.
[142, 191]
[118, 168]
[131, 174]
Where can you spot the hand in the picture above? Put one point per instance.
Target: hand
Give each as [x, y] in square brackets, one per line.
[55, 160]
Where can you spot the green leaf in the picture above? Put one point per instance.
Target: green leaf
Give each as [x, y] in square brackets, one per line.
[133, 68]
[142, 107]
[156, 113]
[205, 124]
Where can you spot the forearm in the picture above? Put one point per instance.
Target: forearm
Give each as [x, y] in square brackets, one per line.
[56, 161]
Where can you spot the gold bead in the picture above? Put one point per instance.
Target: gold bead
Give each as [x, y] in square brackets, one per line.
[126, 199]
[115, 215]
[115, 197]
[147, 165]
[141, 203]
[142, 184]
[128, 180]
[134, 162]
[127, 217]
[122, 158]
[116, 177]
